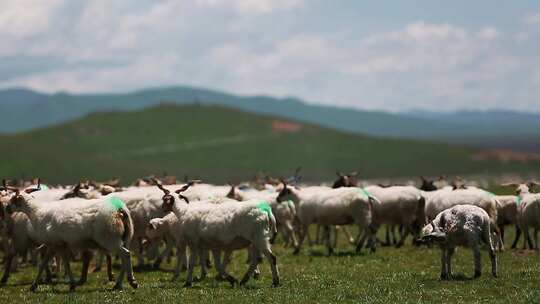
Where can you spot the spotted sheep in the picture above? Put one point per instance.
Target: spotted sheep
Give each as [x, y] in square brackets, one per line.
[461, 225]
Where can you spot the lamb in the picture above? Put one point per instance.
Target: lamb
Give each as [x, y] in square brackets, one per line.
[528, 211]
[226, 226]
[103, 224]
[461, 225]
[325, 206]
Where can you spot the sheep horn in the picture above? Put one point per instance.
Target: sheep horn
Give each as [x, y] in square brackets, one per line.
[185, 187]
[184, 198]
[160, 186]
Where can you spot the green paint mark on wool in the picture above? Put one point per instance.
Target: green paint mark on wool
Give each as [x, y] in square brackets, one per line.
[365, 192]
[43, 187]
[264, 207]
[291, 203]
[518, 200]
[116, 203]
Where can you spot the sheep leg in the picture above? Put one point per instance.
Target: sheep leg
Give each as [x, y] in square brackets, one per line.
[8, 259]
[444, 263]
[203, 261]
[272, 260]
[98, 264]
[289, 230]
[536, 239]
[166, 251]
[348, 235]
[303, 231]
[110, 274]
[191, 264]
[127, 268]
[527, 238]
[216, 254]
[404, 231]
[180, 260]
[477, 261]
[336, 229]
[72, 283]
[252, 266]
[86, 258]
[44, 264]
[328, 240]
[449, 254]
[516, 239]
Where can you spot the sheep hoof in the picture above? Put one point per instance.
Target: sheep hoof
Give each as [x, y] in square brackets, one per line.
[3, 281]
[134, 284]
[72, 287]
[117, 287]
[156, 264]
[296, 251]
[256, 275]
[188, 285]
[445, 277]
[275, 284]
[111, 278]
[477, 275]
[34, 287]
[80, 282]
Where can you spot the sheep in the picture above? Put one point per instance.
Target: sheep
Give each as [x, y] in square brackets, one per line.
[62, 226]
[528, 211]
[461, 225]
[400, 206]
[325, 206]
[507, 213]
[226, 226]
[285, 213]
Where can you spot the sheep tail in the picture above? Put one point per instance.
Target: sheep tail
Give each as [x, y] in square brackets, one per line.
[128, 226]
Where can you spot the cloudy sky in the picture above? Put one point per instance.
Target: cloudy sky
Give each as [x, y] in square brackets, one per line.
[389, 55]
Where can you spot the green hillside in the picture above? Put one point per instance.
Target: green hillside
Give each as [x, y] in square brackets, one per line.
[220, 144]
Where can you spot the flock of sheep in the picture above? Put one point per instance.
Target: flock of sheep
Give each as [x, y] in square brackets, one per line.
[194, 219]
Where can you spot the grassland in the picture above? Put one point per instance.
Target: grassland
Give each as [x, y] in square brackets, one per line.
[219, 144]
[406, 275]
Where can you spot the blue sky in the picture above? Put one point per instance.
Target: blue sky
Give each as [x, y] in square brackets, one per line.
[385, 55]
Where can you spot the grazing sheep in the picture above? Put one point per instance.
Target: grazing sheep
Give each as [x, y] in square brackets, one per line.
[325, 206]
[461, 225]
[507, 214]
[226, 226]
[528, 211]
[66, 226]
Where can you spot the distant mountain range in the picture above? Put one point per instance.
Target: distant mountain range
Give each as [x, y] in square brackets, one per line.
[23, 110]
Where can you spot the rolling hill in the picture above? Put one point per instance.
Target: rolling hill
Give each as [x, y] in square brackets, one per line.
[221, 144]
[25, 110]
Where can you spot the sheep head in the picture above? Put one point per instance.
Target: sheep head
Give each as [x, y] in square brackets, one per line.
[233, 194]
[427, 185]
[287, 193]
[431, 233]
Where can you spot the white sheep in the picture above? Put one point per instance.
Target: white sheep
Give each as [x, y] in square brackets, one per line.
[507, 214]
[400, 205]
[226, 226]
[328, 207]
[66, 226]
[528, 211]
[461, 225]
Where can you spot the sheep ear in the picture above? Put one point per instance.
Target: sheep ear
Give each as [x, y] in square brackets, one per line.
[185, 187]
[160, 186]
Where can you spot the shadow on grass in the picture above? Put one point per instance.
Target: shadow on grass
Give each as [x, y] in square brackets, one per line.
[318, 253]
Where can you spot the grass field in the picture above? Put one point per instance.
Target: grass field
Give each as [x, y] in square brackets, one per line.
[220, 145]
[406, 275]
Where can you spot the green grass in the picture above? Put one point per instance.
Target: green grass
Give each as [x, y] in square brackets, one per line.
[220, 145]
[406, 275]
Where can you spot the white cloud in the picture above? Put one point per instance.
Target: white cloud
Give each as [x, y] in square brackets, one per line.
[25, 18]
[488, 33]
[252, 6]
[531, 19]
